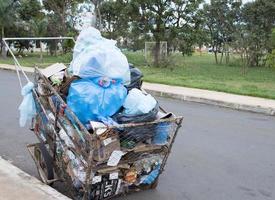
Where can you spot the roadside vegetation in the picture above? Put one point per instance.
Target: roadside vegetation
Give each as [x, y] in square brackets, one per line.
[240, 36]
[197, 71]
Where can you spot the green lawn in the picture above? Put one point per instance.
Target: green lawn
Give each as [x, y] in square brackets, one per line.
[202, 72]
[33, 59]
[195, 71]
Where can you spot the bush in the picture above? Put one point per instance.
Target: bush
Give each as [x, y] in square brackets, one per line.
[270, 59]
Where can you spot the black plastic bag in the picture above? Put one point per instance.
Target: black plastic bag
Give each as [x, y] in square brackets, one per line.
[131, 136]
[136, 78]
[123, 118]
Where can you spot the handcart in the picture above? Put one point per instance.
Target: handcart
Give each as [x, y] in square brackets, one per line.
[99, 164]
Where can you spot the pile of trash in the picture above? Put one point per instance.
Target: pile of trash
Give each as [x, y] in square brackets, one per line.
[103, 90]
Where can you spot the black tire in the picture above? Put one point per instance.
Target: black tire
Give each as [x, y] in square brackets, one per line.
[45, 163]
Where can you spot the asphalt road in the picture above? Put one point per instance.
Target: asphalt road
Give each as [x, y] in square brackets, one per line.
[219, 154]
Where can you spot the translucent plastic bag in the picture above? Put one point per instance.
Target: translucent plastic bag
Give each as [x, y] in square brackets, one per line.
[96, 56]
[27, 107]
[137, 102]
[95, 99]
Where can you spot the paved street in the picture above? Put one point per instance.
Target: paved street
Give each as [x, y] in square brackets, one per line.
[219, 154]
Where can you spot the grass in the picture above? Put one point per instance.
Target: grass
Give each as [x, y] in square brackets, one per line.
[201, 72]
[32, 59]
[196, 71]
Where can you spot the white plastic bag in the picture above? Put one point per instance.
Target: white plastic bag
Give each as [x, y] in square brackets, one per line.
[27, 107]
[95, 56]
[138, 103]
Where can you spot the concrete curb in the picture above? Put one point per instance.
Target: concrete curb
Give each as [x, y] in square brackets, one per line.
[12, 67]
[237, 102]
[16, 184]
[235, 106]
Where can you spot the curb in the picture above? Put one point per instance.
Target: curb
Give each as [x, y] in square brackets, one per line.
[257, 105]
[17, 184]
[235, 106]
[12, 68]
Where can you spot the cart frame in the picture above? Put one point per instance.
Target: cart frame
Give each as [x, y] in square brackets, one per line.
[47, 163]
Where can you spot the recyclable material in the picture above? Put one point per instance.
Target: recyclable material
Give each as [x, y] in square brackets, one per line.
[104, 136]
[90, 99]
[162, 131]
[105, 146]
[97, 127]
[95, 56]
[131, 176]
[150, 178]
[57, 78]
[53, 69]
[115, 158]
[144, 166]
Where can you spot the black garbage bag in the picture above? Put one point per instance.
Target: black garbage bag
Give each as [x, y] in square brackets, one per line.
[131, 136]
[136, 78]
[123, 118]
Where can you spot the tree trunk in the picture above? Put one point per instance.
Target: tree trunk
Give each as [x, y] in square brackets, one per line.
[216, 56]
[41, 55]
[99, 18]
[221, 58]
[200, 47]
[226, 54]
[3, 47]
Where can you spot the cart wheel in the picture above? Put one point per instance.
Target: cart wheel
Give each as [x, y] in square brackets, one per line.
[45, 168]
[155, 184]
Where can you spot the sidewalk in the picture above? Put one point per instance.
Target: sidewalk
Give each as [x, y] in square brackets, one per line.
[238, 102]
[17, 185]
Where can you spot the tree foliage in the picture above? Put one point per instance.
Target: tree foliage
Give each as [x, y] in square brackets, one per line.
[258, 20]
[225, 25]
[221, 20]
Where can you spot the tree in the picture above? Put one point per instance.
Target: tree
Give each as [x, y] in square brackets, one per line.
[97, 13]
[166, 20]
[60, 11]
[271, 56]
[59, 17]
[115, 19]
[221, 18]
[7, 16]
[29, 10]
[258, 20]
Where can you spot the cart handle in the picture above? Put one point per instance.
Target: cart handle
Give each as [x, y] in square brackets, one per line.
[17, 64]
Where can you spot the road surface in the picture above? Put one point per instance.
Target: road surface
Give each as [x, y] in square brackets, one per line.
[219, 154]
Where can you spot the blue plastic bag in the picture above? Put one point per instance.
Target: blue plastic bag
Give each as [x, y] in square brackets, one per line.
[150, 178]
[96, 56]
[27, 107]
[95, 99]
[162, 133]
